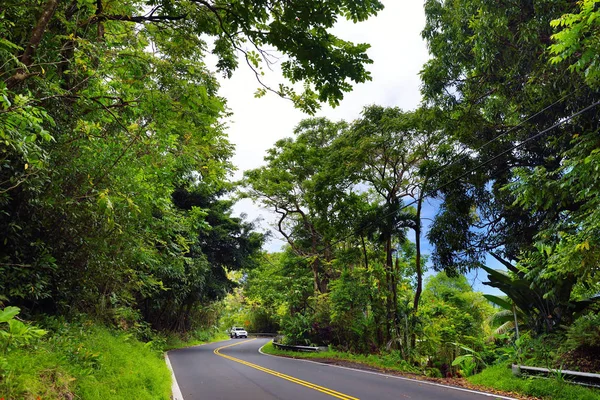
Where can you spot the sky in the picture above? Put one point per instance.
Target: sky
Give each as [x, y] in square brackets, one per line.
[398, 53]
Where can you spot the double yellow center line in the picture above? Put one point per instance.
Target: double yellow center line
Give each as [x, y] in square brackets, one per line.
[318, 388]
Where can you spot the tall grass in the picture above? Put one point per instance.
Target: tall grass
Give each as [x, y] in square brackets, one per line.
[88, 363]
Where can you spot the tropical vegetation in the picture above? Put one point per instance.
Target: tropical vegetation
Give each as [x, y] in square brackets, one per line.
[116, 188]
[505, 147]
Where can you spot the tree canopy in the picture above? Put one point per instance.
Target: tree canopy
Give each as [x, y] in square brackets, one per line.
[114, 159]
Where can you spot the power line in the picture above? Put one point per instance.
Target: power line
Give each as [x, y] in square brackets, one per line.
[529, 139]
[462, 157]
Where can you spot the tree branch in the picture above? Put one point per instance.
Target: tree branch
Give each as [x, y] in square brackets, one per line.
[38, 31]
[34, 41]
[135, 18]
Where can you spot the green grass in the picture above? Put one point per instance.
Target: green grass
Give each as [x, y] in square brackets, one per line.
[390, 361]
[91, 363]
[194, 339]
[500, 377]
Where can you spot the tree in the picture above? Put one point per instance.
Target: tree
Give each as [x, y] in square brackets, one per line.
[352, 316]
[321, 61]
[303, 185]
[452, 314]
[490, 75]
[222, 245]
[567, 250]
[577, 41]
[389, 150]
[279, 295]
[107, 109]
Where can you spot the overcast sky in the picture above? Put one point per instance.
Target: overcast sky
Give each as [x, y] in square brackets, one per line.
[398, 53]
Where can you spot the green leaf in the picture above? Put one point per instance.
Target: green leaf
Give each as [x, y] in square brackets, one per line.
[499, 301]
[8, 313]
[460, 359]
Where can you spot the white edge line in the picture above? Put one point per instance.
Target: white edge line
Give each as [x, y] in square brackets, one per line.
[496, 396]
[174, 386]
[176, 391]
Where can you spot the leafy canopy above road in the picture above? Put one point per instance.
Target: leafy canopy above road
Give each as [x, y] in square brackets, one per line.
[114, 160]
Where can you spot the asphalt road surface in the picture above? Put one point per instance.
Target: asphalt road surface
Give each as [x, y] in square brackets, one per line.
[235, 370]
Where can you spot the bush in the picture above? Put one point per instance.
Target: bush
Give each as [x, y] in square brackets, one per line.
[433, 373]
[585, 331]
[14, 334]
[296, 329]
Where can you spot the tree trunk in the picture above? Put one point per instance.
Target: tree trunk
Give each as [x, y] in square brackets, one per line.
[364, 248]
[34, 41]
[99, 11]
[390, 317]
[38, 32]
[376, 315]
[315, 272]
[418, 268]
[394, 270]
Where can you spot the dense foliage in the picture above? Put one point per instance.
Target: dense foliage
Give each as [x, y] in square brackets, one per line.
[114, 178]
[114, 161]
[505, 145]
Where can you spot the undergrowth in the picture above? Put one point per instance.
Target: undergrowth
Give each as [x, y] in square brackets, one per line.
[389, 361]
[86, 361]
[500, 377]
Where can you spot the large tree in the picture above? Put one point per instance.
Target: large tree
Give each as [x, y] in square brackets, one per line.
[491, 77]
[305, 186]
[389, 152]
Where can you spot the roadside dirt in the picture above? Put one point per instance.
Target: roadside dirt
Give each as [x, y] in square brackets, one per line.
[584, 359]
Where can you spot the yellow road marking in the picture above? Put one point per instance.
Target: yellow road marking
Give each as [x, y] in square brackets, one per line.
[313, 386]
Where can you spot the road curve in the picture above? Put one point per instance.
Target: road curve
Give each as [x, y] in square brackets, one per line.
[235, 370]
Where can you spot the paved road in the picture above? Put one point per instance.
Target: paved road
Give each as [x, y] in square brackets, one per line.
[235, 370]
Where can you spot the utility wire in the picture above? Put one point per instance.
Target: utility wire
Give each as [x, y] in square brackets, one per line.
[462, 156]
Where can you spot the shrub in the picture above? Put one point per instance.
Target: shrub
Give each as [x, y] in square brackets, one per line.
[585, 331]
[296, 329]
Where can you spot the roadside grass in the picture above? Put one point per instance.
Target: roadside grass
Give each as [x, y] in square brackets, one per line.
[500, 377]
[85, 362]
[391, 361]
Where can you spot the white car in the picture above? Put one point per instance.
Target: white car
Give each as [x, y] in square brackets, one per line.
[235, 333]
